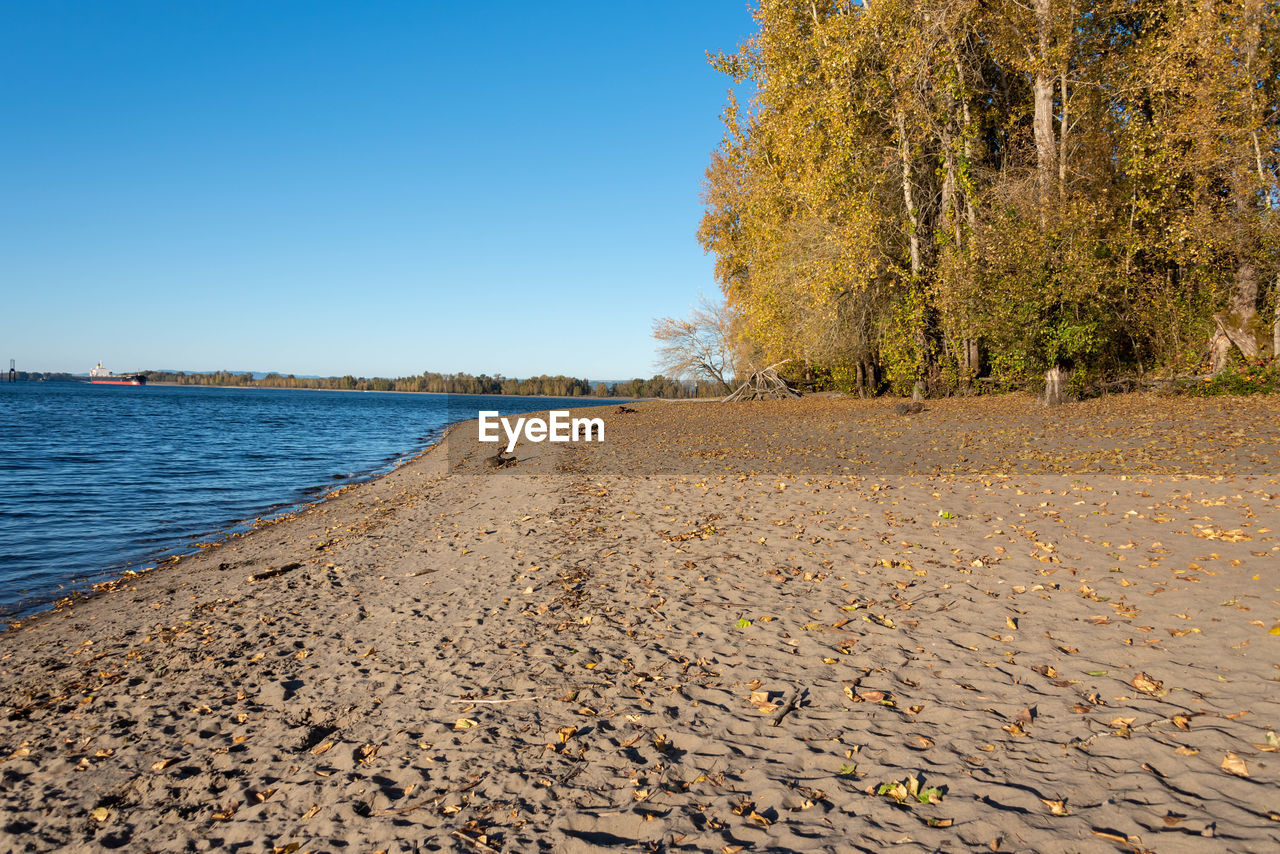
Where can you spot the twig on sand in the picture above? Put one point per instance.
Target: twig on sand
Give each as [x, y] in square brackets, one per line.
[417, 805]
[476, 842]
[788, 707]
[495, 702]
[272, 572]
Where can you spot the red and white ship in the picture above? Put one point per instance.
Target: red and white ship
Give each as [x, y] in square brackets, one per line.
[101, 376]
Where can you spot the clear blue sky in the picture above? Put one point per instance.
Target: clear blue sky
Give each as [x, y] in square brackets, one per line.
[377, 188]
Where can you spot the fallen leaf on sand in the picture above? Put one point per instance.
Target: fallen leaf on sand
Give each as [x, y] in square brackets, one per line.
[1147, 685]
[1233, 764]
[465, 723]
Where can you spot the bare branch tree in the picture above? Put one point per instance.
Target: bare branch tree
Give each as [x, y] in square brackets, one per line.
[699, 347]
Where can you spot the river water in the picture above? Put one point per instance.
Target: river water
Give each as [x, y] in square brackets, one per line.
[95, 480]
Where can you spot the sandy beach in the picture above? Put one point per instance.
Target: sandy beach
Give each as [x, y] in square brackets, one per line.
[791, 626]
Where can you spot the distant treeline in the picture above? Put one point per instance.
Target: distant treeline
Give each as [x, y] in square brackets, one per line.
[42, 376]
[557, 386]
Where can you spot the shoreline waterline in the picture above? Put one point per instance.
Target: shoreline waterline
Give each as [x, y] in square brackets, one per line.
[97, 482]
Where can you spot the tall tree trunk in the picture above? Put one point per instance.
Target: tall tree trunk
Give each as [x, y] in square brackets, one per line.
[1046, 155]
[1062, 140]
[950, 206]
[1043, 125]
[908, 196]
[913, 224]
[1064, 122]
[968, 355]
[966, 134]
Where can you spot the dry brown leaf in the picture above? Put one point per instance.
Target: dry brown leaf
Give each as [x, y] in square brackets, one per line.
[1233, 764]
[1147, 685]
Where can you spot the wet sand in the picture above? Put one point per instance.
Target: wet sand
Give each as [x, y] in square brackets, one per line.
[809, 626]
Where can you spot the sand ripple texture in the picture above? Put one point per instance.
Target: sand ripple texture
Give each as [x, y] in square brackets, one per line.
[564, 657]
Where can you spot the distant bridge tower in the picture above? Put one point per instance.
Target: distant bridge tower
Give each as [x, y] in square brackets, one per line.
[13, 371]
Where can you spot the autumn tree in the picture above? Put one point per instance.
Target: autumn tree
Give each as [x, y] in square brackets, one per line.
[1061, 188]
[700, 346]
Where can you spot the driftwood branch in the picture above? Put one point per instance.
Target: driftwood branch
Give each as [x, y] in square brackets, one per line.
[788, 707]
[764, 384]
